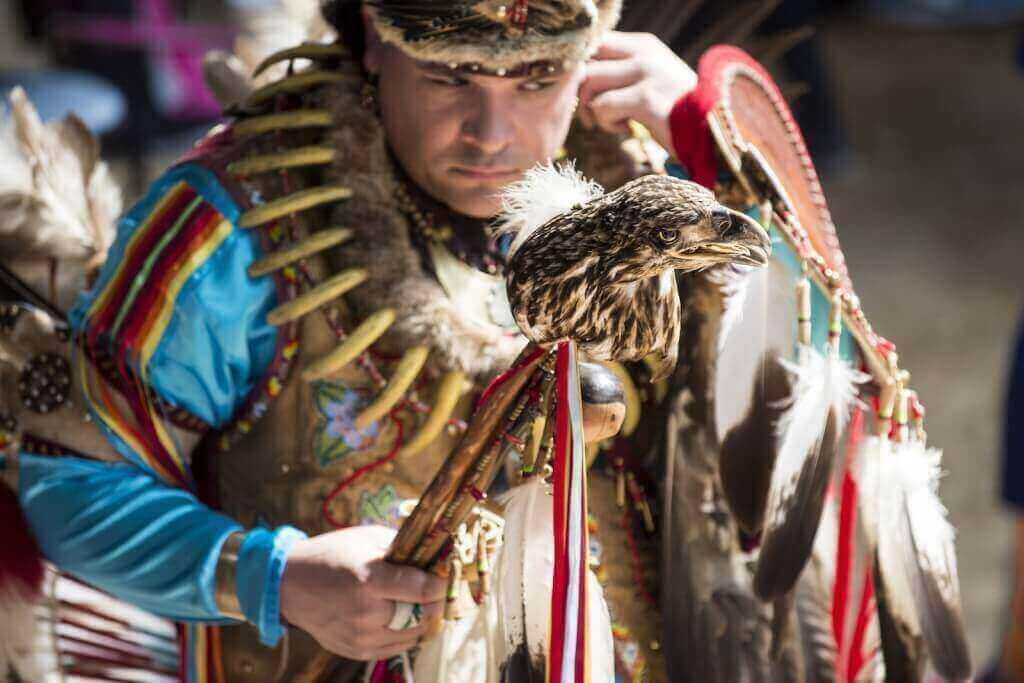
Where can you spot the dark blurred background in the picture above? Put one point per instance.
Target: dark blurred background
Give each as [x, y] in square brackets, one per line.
[914, 110]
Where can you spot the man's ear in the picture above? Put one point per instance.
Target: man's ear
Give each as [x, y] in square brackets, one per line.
[373, 55]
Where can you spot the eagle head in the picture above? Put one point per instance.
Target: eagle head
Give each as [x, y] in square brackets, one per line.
[599, 268]
[657, 223]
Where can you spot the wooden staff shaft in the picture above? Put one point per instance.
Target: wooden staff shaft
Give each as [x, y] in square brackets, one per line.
[449, 478]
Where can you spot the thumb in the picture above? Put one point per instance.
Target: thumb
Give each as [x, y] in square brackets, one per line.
[613, 109]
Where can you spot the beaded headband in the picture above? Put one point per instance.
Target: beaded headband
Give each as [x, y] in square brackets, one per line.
[498, 37]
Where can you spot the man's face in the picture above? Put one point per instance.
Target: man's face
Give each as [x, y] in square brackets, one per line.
[462, 138]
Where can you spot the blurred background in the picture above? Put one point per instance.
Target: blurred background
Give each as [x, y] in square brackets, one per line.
[914, 110]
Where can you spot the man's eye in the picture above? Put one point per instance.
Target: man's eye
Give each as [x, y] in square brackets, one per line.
[448, 81]
[536, 86]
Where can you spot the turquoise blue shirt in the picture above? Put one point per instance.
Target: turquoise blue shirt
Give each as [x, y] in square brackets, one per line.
[119, 526]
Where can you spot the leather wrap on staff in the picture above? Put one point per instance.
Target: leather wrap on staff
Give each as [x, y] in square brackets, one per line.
[450, 480]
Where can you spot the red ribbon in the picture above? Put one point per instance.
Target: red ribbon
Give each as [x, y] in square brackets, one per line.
[563, 485]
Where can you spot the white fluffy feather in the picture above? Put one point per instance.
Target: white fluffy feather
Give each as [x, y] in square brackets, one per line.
[278, 26]
[57, 198]
[733, 282]
[820, 383]
[545, 191]
[909, 502]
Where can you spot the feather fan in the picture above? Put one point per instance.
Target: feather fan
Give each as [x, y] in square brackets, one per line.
[823, 394]
[57, 198]
[917, 560]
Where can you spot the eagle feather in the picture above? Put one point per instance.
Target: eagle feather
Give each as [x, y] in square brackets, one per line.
[810, 430]
[917, 559]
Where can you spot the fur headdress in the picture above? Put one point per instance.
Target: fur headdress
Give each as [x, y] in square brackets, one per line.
[494, 36]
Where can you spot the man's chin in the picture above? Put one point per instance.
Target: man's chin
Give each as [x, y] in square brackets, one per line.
[480, 202]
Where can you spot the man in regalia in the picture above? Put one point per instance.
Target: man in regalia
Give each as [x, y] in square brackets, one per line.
[293, 322]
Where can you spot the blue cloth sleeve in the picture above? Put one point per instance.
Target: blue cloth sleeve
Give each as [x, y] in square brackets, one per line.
[217, 342]
[120, 526]
[261, 561]
[116, 527]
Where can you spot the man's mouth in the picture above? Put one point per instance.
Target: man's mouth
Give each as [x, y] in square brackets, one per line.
[487, 173]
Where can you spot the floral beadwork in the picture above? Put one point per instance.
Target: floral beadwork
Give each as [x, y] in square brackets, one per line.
[382, 507]
[336, 434]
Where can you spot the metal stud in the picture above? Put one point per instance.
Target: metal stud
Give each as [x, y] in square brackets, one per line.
[44, 383]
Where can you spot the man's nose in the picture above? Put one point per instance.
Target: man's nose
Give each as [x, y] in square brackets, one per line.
[489, 126]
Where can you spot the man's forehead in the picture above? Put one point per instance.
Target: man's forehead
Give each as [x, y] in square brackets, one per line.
[538, 69]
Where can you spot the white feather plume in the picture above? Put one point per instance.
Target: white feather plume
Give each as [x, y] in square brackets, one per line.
[916, 530]
[820, 383]
[278, 26]
[263, 31]
[57, 198]
[545, 191]
[733, 282]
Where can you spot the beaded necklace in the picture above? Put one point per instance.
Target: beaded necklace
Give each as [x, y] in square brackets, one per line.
[434, 222]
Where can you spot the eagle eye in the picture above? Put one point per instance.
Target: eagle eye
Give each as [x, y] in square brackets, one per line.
[667, 236]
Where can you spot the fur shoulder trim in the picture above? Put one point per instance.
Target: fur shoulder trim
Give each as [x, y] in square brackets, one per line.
[383, 246]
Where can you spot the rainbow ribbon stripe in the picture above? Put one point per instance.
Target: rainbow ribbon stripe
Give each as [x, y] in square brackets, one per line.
[130, 315]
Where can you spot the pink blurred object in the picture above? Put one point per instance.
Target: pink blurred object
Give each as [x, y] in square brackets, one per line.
[175, 52]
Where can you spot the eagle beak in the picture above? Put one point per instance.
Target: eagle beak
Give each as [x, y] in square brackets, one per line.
[739, 239]
[743, 230]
